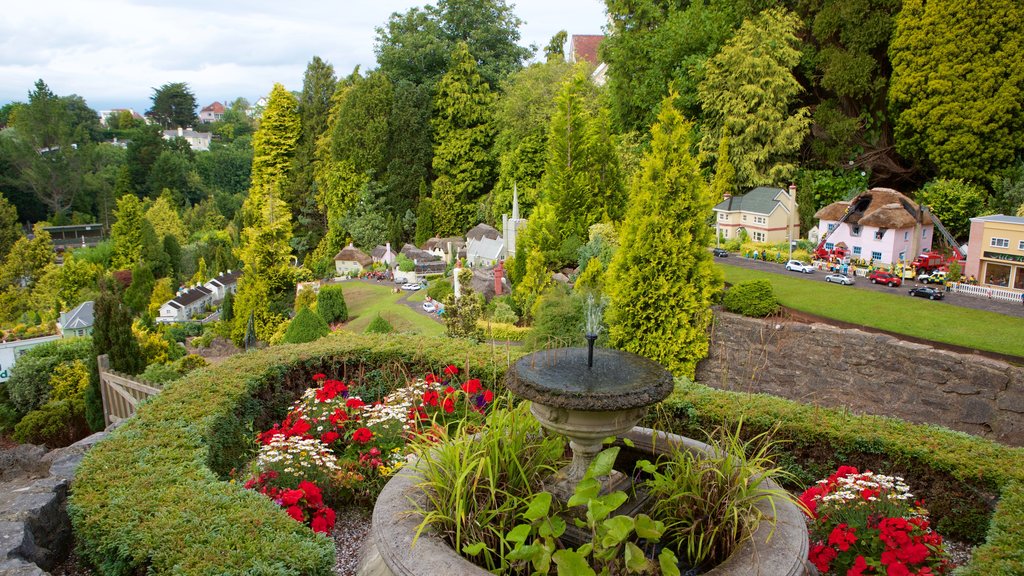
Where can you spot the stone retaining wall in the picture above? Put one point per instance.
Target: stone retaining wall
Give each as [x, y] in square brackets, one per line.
[35, 531]
[866, 373]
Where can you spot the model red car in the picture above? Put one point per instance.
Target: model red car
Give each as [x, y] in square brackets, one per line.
[883, 277]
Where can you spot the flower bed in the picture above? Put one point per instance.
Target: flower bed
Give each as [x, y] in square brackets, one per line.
[155, 498]
[335, 442]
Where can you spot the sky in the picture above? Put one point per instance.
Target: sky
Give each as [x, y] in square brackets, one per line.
[114, 53]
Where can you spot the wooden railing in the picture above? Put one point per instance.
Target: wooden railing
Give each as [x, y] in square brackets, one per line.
[121, 393]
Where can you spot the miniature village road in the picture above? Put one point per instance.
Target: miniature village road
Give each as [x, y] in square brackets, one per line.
[951, 299]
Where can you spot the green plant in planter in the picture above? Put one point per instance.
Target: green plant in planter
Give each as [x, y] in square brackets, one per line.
[708, 501]
[612, 547]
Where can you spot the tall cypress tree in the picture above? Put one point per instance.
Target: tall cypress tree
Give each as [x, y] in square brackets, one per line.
[127, 233]
[662, 279]
[111, 335]
[463, 134]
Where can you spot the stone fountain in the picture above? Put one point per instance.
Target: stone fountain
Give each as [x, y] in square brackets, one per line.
[588, 395]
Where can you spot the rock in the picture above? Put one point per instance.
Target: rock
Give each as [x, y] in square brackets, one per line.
[22, 460]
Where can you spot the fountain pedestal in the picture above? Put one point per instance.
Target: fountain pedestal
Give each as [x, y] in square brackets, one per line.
[588, 403]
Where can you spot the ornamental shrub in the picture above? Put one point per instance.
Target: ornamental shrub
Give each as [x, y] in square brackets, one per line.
[405, 264]
[29, 385]
[379, 326]
[439, 290]
[306, 327]
[754, 298]
[306, 298]
[56, 424]
[330, 304]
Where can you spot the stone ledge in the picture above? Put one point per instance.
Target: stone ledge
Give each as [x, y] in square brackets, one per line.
[35, 531]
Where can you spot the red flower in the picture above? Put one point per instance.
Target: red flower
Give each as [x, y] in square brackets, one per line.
[338, 416]
[299, 428]
[296, 513]
[430, 397]
[822, 556]
[809, 501]
[451, 370]
[355, 403]
[431, 379]
[449, 390]
[841, 537]
[471, 386]
[329, 437]
[858, 568]
[319, 376]
[291, 497]
[314, 497]
[488, 396]
[362, 435]
[319, 525]
[449, 406]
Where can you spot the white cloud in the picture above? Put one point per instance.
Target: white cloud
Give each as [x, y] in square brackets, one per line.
[114, 52]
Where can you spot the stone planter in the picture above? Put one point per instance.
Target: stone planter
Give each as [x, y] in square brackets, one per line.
[390, 551]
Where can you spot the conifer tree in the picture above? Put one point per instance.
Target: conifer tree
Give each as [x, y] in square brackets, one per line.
[724, 180]
[10, 231]
[535, 281]
[164, 218]
[463, 134]
[127, 233]
[662, 279]
[266, 251]
[749, 90]
[140, 291]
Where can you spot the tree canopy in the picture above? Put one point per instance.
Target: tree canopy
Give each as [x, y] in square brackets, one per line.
[174, 106]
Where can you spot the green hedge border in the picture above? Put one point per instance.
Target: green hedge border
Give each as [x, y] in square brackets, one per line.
[152, 498]
[957, 473]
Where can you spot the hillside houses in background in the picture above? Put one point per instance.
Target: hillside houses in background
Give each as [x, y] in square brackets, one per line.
[193, 303]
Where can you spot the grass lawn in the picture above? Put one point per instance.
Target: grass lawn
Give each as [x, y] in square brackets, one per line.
[365, 301]
[895, 312]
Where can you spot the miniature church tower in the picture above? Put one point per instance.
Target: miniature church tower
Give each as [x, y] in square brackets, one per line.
[510, 227]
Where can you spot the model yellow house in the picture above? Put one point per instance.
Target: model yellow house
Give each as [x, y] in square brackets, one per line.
[995, 253]
[763, 212]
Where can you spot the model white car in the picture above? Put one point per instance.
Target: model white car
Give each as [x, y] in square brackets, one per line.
[412, 286]
[798, 266]
[429, 307]
[839, 279]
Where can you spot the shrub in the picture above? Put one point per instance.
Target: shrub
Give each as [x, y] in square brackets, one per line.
[181, 332]
[754, 298]
[69, 381]
[499, 331]
[159, 374]
[191, 362]
[330, 304]
[306, 298]
[559, 321]
[306, 327]
[405, 264]
[56, 424]
[503, 313]
[29, 385]
[379, 326]
[440, 289]
[227, 307]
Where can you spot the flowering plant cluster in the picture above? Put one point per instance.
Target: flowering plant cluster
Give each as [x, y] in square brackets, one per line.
[865, 523]
[336, 441]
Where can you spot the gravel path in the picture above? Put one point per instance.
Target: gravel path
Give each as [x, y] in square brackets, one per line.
[351, 527]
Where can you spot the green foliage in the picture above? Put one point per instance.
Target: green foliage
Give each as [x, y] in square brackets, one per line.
[126, 233]
[405, 264]
[463, 134]
[535, 281]
[306, 298]
[749, 92]
[69, 380]
[112, 335]
[440, 290]
[502, 332]
[274, 143]
[662, 279]
[461, 314]
[503, 313]
[30, 383]
[57, 423]
[581, 179]
[28, 259]
[1008, 191]
[227, 307]
[138, 294]
[816, 189]
[179, 332]
[754, 298]
[724, 181]
[330, 304]
[306, 327]
[955, 86]
[708, 501]
[10, 230]
[379, 325]
[174, 105]
[558, 321]
[469, 476]
[955, 202]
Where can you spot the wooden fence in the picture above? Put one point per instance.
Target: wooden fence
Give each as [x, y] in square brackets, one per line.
[121, 394]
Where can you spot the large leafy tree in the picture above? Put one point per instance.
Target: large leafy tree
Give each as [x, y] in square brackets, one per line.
[174, 105]
[417, 45]
[463, 135]
[749, 90]
[662, 278]
[10, 230]
[957, 84]
[955, 202]
[661, 42]
[27, 260]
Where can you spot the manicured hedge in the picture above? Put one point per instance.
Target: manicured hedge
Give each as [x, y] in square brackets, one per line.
[963, 478]
[156, 496]
[499, 331]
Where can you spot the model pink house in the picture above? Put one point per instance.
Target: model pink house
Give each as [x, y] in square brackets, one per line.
[884, 226]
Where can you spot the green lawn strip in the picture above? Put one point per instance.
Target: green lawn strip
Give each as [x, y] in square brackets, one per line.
[365, 301]
[418, 296]
[896, 312]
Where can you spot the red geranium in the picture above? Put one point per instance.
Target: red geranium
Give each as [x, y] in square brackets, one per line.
[319, 376]
[354, 403]
[471, 386]
[449, 406]
[362, 435]
[451, 370]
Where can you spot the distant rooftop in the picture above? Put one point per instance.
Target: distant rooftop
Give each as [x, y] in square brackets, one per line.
[1000, 218]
